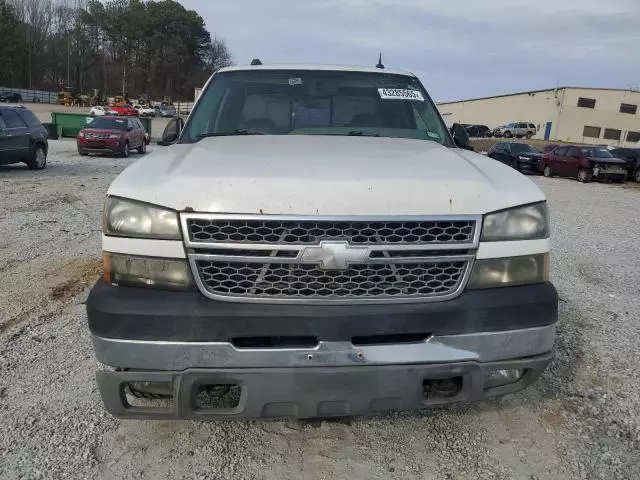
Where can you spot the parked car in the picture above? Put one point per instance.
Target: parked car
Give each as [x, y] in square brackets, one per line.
[520, 156]
[145, 111]
[371, 264]
[99, 111]
[516, 129]
[124, 110]
[478, 131]
[22, 138]
[632, 157]
[112, 135]
[583, 163]
[166, 111]
[11, 98]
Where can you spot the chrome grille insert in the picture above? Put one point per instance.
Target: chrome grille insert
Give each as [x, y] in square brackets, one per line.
[294, 259]
[290, 281]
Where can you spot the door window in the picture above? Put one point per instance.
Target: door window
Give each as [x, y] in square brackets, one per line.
[573, 152]
[561, 152]
[12, 119]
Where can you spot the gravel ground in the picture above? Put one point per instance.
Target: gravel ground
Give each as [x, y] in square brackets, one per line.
[581, 421]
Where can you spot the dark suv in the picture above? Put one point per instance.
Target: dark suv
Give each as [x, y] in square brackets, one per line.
[22, 138]
[632, 157]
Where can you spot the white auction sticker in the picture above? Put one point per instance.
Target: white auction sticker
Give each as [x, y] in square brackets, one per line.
[400, 94]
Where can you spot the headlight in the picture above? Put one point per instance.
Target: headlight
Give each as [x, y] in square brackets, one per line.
[504, 272]
[156, 272]
[115, 136]
[520, 223]
[127, 218]
[523, 158]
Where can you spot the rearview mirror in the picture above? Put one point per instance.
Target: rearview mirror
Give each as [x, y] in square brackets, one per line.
[171, 132]
[461, 137]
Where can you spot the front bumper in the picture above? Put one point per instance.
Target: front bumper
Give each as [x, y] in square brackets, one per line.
[184, 340]
[313, 392]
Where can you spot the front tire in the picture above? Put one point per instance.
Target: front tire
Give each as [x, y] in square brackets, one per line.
[142, 149]
[584, 175]
[507, 134]
[636, 177]
[529, 135]
[38, 160]
[547, 171]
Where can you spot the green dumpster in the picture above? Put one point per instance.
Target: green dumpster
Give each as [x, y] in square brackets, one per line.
[69, 124]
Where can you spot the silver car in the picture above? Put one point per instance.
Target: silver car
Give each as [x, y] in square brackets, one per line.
[516, 129]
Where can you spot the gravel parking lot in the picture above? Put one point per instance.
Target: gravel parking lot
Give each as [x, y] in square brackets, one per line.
[581, 421]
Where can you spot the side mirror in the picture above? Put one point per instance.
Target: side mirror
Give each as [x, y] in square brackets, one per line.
[461, 137]
[171, 132]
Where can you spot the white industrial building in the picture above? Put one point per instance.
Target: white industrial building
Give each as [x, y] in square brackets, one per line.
[570, 114]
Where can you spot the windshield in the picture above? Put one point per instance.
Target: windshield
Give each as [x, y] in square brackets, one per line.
[596, 152]
[311, 102]
[107, 124]
[522, 148]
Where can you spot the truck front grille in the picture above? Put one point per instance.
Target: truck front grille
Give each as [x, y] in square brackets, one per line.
[280, 259]
[301, 232]
[284, 281]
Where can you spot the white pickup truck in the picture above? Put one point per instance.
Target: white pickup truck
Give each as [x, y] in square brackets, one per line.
[314, 242]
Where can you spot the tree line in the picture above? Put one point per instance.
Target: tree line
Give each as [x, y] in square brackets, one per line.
[120, 47]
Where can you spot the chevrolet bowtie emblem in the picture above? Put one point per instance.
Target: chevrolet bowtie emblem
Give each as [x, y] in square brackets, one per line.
[334, 255]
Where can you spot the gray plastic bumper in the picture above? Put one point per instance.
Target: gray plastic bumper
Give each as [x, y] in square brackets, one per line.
[307, 392]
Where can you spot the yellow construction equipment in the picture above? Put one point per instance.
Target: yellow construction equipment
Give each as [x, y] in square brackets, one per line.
[66, 97]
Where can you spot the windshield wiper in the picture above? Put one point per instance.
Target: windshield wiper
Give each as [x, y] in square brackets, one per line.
[228, 134]
[360, 133]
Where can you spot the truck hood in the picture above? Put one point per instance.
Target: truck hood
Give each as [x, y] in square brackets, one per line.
[323, 175]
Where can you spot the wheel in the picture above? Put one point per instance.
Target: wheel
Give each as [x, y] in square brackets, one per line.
[636, 177]
[529, 135]
[514, 164]
[584, 175]
[547, 171]
[507, 134]
[142, 148]
[125, 150]
[38, 158]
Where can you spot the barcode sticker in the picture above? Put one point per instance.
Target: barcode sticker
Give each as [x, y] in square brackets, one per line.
[400, 94]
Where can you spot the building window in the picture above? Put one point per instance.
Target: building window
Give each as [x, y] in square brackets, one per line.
[593, 132]
[628, 108]
[612, 134]
[587, 102]
[633, 137]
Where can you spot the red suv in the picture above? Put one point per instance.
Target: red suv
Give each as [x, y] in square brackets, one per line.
[124, 110]
[583, 163]
[113, 135]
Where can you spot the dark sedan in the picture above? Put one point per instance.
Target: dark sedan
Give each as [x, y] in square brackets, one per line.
[11, 98]
[520, 156]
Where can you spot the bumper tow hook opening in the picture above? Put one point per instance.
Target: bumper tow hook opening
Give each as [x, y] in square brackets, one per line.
[442, 387]
[216, 396]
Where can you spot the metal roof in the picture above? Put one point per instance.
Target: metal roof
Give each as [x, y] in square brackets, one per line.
[537, 91]
[335, 68]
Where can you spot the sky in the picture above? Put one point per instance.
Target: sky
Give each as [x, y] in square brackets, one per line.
[458, 48]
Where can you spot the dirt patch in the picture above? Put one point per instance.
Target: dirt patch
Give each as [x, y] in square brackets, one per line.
[71, 278]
